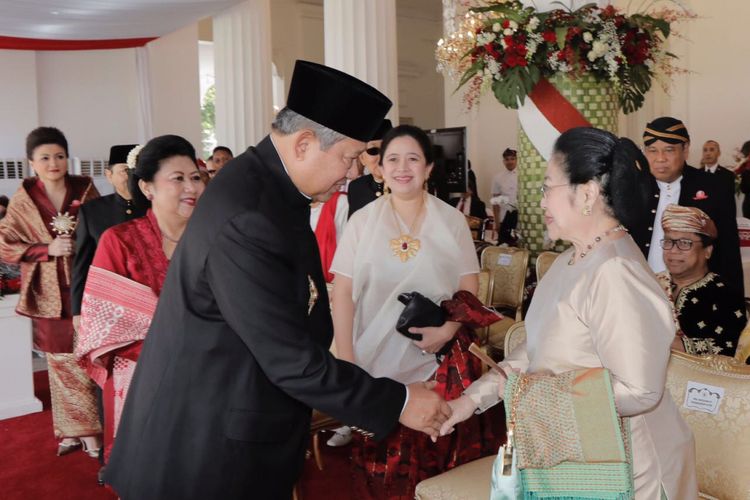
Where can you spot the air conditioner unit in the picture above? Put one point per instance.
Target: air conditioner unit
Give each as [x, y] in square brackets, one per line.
[13, 169]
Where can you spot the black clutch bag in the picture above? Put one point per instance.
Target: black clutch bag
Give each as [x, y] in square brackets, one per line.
[419, 312]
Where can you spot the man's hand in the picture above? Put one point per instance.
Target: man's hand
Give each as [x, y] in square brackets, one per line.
[425, 411]
[463, 408]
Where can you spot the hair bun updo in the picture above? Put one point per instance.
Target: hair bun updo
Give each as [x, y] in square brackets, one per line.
[617, 164]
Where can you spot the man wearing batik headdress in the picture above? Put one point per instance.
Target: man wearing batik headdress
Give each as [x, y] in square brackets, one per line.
[710, 314]
[666, 146]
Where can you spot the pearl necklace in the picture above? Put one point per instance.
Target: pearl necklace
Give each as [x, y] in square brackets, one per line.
[596, 241]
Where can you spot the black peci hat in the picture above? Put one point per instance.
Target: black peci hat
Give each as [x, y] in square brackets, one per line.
[667, 129]
[385, 126]
[337, 100]
[509, 153]
[119, 154]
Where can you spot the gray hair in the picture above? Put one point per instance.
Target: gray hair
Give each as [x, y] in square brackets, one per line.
[288, 122]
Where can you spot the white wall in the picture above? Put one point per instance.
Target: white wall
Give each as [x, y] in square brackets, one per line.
[175, 94]
[18, 101]
[91, 96]
[420, 86]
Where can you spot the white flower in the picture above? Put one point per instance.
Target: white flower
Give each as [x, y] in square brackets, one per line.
[587, 37]
[513, 25]
[484, 38]
[496, 27]
[493, 66]
[507, 32]
[533, 23]
[503, 44]
[133, 156]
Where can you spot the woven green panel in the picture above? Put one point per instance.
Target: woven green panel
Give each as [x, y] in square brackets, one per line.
[598, 104]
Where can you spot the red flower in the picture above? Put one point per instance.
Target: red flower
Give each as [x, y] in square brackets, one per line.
[506, 24]
[549, 36]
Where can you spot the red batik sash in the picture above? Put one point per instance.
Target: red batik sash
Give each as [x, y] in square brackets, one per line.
[115, 312]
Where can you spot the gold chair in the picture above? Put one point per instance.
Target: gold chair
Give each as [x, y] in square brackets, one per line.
[743, 344]
[543, 261]
[466, 482]
[507, 267]
[515, 336]
[722, 440]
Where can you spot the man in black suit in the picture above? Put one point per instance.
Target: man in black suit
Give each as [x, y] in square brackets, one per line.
[710, 163]
[96, 216]
[666, 141]
[469, 202]
[367, 188]
[238, 349]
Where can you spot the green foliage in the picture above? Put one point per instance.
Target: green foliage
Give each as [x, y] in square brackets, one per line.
[208, 119]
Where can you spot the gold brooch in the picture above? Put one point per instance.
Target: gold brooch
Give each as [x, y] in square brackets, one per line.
[63, 223]
[313, 295]
[405, 247]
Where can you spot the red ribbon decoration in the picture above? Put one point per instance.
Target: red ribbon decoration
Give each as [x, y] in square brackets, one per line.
[16, 43]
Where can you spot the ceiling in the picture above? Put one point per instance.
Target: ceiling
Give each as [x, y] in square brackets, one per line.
[102, 19]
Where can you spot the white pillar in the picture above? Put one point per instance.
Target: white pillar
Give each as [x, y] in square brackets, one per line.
[242, 58]
[360, 39]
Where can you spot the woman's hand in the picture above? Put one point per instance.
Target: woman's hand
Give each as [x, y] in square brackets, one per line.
[435, 337]
[62, 246]
[463, 408]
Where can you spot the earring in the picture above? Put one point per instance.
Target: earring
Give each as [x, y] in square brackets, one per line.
[150, 197]
[586, 211]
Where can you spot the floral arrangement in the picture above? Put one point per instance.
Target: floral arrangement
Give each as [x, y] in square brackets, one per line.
[503, 46]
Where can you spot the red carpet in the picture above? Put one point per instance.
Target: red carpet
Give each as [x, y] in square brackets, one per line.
[29, 468]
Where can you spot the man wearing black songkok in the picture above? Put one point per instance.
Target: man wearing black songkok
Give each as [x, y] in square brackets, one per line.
[368, 188]
[666, 146]
[98, 215]
[238, 349]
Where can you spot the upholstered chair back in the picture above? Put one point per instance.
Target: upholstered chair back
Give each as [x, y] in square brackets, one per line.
[713, 395]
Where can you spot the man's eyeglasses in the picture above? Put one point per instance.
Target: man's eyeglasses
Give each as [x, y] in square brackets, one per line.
[373, 151]
[683, 244]
[544, 189]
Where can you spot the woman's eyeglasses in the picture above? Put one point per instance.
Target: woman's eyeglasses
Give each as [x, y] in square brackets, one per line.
[544, 189]
[373, 151]
[683, 244]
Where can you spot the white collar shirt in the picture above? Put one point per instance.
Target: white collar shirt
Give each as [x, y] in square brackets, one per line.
[669, 193]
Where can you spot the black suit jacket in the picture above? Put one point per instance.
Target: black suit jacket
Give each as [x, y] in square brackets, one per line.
[724, 175]
[237, 353]
[362, 191]
[477, 208]
[718, 202]
[95, 217]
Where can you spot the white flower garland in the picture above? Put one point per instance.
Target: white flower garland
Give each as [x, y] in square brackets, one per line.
[133, 156]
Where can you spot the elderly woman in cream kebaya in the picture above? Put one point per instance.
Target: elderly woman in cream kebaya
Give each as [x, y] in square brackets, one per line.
[710, 313]
[600, 306]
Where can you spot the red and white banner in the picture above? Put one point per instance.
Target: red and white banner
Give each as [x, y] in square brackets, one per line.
[546, 114]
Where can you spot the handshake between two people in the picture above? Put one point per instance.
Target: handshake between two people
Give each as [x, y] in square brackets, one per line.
[427, 412]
